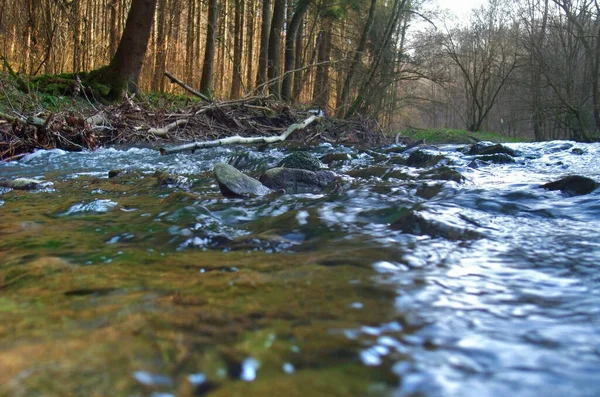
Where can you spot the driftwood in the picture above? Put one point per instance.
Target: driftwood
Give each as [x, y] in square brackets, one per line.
[238, 139]
[187, 87]
[165, 130]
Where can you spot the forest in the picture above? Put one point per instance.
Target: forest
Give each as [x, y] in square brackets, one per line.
[527, 68]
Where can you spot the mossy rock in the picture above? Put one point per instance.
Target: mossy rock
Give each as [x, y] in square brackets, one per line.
[234, 183]
[301, 160]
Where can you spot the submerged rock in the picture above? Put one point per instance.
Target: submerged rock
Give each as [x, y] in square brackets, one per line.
[234, 183]
[443, 174]
[165, 179]
[497, 158]
[114, 173]
[420, 158]
[573, 185]
[21, 184]
[295, 180]
[487, 148]
[413, 222]
[301, 160]
[330, 158]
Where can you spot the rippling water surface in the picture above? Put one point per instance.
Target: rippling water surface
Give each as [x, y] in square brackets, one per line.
[498, 294]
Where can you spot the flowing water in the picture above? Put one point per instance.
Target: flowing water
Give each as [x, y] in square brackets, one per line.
[124, 286]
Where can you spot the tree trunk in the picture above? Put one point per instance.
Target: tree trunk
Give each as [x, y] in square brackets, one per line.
[261, 73]
[290, 41]
[113, 32]
[321, 93]
[190, 41]
[250, 44]
[397, 10]
[123, 72]
[206, 83]
[160, 54]
[298, 63]
[274, 63]
[341, 106]
[238, 42]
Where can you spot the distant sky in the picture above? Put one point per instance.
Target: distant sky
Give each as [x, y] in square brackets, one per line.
[459, 7]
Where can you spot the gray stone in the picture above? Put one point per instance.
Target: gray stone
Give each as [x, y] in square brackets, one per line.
[234, 183]
[295, 180]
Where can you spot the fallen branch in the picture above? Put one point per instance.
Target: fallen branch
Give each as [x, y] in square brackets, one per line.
[165, 130]
[187, 87]
[238, 139]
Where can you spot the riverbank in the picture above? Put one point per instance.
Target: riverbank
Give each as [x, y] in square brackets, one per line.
[40, 120]
[36, 120]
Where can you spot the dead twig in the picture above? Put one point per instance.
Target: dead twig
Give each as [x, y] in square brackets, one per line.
[187, 87]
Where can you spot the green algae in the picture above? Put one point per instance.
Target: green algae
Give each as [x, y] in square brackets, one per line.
[89, 298]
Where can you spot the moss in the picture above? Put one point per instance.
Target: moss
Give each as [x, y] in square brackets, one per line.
[105, 307]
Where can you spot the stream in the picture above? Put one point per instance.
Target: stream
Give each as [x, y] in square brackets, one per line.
[129, 287]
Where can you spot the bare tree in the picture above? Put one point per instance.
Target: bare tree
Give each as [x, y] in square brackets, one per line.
[485, 54]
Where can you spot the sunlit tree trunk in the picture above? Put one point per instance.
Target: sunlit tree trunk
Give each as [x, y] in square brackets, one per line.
[206, 83]
[274, 63]
[238, 42]
[123, 72]
[265, 28]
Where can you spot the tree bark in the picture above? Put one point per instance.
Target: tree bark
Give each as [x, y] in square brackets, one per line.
[265, 27]
[206, 83]
[274, 63]
[290, 41]
[321, 92]
[250, 44]
[238, 40]
[160, 60]
[123, 72]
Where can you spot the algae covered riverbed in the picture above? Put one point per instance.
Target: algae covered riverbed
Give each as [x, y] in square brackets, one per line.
[130, 286]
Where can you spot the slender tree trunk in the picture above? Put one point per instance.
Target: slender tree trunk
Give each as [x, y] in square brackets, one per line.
[238, 43]
[76, 20]
[250, 43]
[290, 41]
[298, 62]
[160, 54]
[206, 83]
[321, 92]
[189, 42]
[397, 10]
[341, 106]
[536, 74]
[265, 27]
[274, 64]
